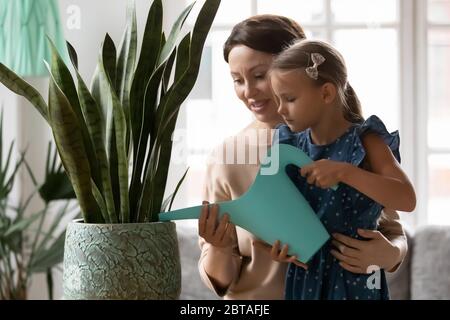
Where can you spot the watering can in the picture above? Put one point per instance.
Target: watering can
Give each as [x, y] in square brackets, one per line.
[273, 208]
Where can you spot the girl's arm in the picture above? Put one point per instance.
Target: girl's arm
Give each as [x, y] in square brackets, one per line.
[386, 184]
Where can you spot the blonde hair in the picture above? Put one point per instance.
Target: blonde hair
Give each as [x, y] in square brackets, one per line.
[332, 70]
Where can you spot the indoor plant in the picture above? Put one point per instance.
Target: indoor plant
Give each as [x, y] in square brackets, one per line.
[31, 242]
[123, 123]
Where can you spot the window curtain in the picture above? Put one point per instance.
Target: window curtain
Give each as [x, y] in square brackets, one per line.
[24, 27]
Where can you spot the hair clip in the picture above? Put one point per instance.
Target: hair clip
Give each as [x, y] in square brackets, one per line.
[317, 59]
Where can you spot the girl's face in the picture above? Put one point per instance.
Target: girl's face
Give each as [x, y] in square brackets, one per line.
[249, 69]
[300, 102]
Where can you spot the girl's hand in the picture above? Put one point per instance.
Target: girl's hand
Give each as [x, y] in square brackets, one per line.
[217, 234]
[277, 255]
[324, 173]
[358, 255]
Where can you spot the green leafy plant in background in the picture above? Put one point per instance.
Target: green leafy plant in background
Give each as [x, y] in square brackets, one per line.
[31, 243]
[115, 139]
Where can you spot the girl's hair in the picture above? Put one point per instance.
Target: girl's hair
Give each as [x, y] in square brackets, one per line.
[267, 33]
[333, 69]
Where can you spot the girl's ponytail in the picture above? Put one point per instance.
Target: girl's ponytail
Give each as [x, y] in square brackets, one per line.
[352, 105]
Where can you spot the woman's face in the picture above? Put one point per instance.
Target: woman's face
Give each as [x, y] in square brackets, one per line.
[249, 69]
[299, 101]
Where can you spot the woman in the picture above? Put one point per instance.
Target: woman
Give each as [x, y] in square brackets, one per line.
[233, 263]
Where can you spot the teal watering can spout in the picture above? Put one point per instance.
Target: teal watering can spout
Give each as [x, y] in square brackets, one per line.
[273, 208]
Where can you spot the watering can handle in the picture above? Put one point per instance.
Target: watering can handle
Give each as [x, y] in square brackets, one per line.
[291, 156]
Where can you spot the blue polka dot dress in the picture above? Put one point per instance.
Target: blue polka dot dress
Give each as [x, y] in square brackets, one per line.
[341, 211]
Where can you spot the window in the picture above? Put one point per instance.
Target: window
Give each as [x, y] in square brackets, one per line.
[395, 77]
[438, 110]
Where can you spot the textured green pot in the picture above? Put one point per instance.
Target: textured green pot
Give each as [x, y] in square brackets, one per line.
[121, 261]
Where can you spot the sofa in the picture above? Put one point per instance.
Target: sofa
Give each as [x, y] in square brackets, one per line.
[423, 275]
[425, 272]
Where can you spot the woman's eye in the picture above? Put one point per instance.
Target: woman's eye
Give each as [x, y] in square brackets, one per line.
[260, 76]
[290, 100]
[237, 81]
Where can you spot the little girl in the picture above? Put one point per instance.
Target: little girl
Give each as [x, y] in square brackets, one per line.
[324, 119]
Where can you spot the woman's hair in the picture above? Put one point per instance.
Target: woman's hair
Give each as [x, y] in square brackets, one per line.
[333, 69]
[266, 33]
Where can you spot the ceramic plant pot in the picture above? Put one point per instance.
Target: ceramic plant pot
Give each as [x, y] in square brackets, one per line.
[121, 261]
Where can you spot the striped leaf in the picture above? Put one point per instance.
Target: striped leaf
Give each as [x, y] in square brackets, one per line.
[72, 54]
[69, 141]
[151, 45]
[170, 106]
[127, 58]
[172, 40]
[95, 124]
[145, 137]
[120, 132]
[19, 86]
[63, 78]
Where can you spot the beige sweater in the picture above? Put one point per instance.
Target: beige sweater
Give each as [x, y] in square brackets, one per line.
[260, 277]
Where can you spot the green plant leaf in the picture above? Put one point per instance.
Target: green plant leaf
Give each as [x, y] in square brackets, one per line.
[183, 57]
[120, 133]
[96, 125]
[151, 95]
[8, 183]
[49, 279]
[48, 258]
[173, 36]
[48, 236]
[169, 201]
[63, 79]
[151, 45]
[72, 54]
[109, 58]
[169, 107]
[57, 186]
[21, 225]
[101, 203]
[69, 142]
[168, 71]
[19, 86]
[127, 58]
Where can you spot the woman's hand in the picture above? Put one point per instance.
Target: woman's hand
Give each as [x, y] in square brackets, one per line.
[358, 255]
[324, 173]
[277, 255]
[218, 234]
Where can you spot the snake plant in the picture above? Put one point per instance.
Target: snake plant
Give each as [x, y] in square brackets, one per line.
[115, 138]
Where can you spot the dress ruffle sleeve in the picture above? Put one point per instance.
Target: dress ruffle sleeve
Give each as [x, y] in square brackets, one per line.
[374, 125]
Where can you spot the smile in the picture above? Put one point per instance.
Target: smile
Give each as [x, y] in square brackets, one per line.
[258, 107]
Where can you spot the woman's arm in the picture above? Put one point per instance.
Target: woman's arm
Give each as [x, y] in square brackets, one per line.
[220, 262]
[218, 240]
[385, 248]
[391, 227]
[386, 184]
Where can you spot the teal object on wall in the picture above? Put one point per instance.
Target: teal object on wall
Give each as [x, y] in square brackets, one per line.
[273, 208]
[24, 25]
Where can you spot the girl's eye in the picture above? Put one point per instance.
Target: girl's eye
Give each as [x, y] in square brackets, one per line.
[260, 76]
[237, 81]
[290, 100]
